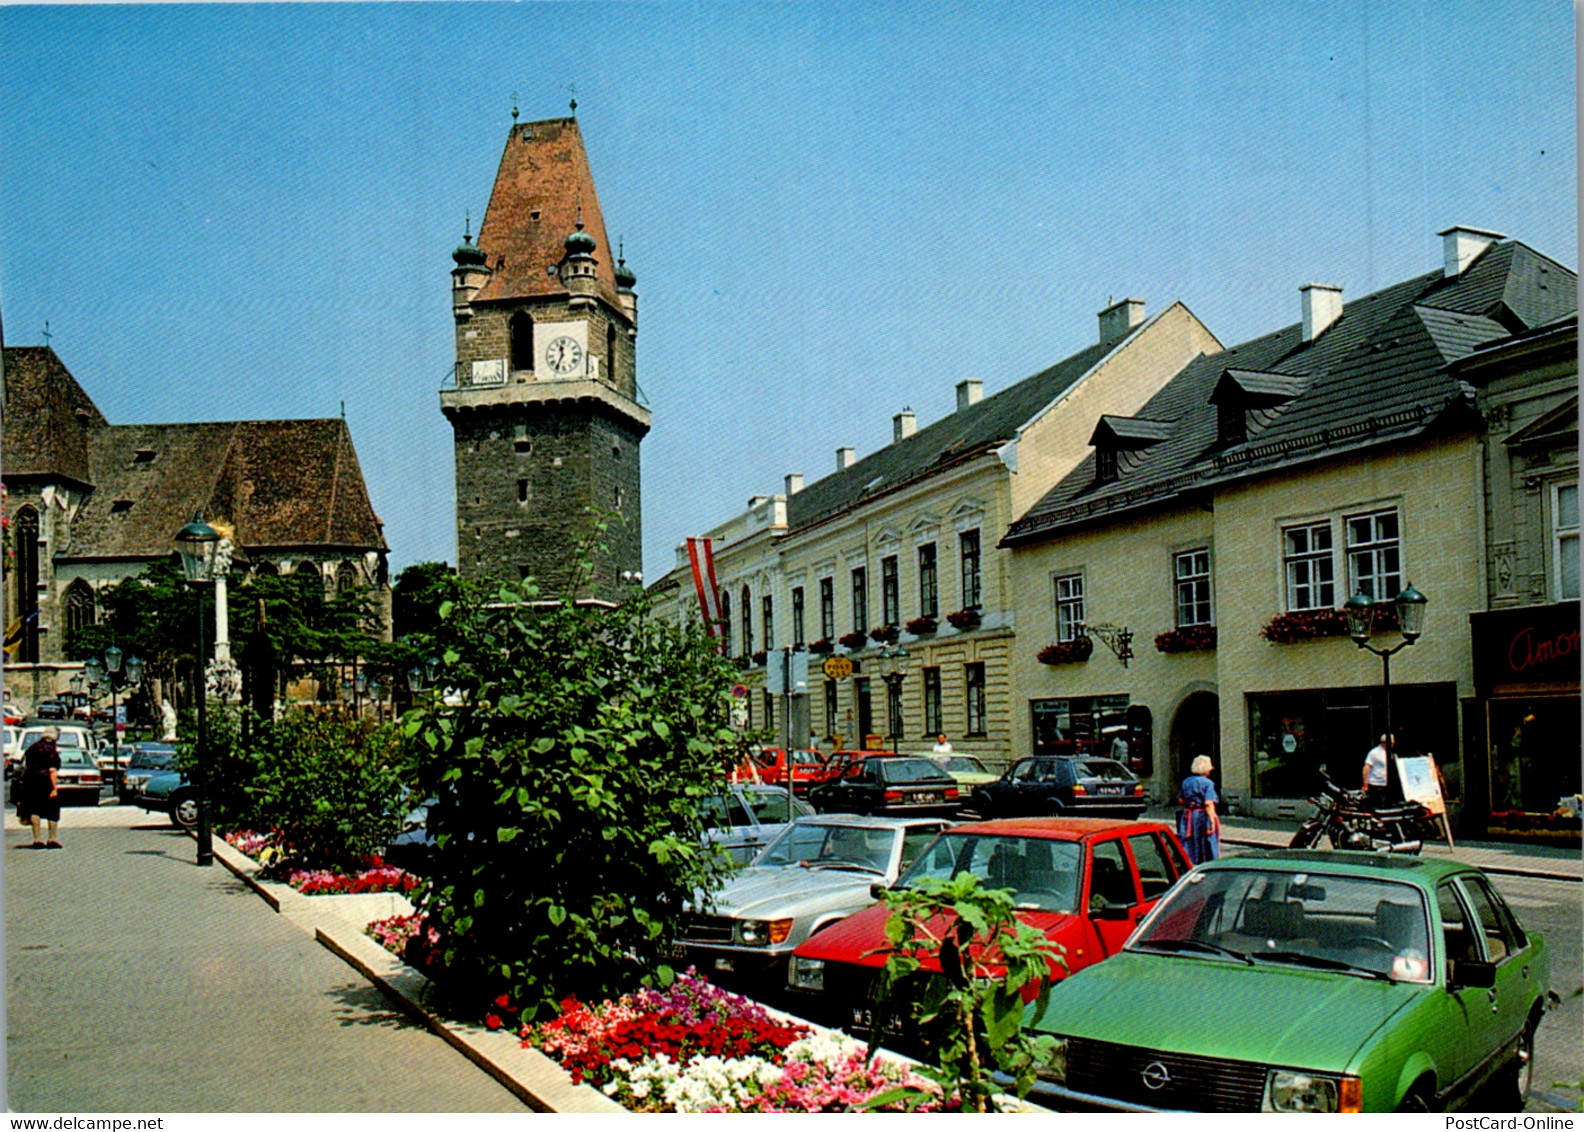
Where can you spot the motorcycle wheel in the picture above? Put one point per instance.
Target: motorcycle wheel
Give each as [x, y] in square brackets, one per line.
[1306, 838]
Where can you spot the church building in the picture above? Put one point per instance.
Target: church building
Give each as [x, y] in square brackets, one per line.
[546, 410]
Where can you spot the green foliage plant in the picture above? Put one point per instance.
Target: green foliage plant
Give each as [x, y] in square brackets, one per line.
[962, 968]
[567, 748]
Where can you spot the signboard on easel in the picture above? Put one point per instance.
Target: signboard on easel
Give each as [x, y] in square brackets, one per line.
[1421, 782]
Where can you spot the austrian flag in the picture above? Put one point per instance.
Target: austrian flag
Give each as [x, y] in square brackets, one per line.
[701, 553]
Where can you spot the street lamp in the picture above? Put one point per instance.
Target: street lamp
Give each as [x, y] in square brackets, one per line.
[893, 663]
[110, 671]
[197, 543]
[1360, 612]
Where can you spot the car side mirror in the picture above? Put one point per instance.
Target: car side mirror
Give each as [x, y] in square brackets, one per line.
[1472, 973]
[878, 889]
[1111, 911]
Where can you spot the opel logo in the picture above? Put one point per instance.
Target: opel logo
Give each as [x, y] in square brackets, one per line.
[1156, 1076]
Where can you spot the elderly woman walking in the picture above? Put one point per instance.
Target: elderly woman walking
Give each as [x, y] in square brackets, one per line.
[1197, 822]
[38, 788]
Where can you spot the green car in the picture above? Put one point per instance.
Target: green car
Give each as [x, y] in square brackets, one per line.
[1302, 981]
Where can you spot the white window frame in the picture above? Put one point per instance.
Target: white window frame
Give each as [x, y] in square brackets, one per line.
[1068, 593]
[1189, 587]
[1564, 542]
[1374, 563]
[1295, 562]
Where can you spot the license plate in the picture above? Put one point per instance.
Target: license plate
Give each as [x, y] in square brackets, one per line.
[1110, 789]
[861, 1018]
[921, 799]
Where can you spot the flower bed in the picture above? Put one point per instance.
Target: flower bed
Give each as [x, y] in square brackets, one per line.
[964, 620]
[696, 1048]
[371, 875]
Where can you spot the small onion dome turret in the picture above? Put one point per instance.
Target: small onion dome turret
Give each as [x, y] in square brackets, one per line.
[467, 255]
[625, 279]
[580, 242]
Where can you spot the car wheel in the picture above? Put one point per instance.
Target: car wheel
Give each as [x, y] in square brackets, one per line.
[1418, 1098]
[184, 810]
[1509, 1089]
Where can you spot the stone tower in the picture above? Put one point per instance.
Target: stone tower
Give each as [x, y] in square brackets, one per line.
[545, 408]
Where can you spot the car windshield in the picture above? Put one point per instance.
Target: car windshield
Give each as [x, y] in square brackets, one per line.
[908, 770]
[1361, 926]
[1108, 769]
[151, 760]
[1041, 873]
[67, 739]
[771, 805]
[816, 845]
[962, 764]
[807, 758]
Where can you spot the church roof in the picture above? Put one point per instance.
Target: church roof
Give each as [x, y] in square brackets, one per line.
[277, 484]
[544, 178]
[1379, 374]
[47, 416]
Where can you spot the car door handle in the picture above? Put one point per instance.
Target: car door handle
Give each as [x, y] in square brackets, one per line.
[1491, 997]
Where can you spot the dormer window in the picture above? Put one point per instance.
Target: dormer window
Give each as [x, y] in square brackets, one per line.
[1231, 423]
[1105, 464]
[1115, 434]
[120, 506]
[1241, 390]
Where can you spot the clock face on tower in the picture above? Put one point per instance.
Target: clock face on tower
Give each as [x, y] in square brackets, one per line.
[563, 354]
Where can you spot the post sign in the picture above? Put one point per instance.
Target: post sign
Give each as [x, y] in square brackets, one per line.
[837, 668]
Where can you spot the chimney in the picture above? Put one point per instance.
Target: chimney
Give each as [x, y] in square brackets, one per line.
[1119, 318]
[903, 425]
[794, 483]
[1461, 246]
[846, 457]
[1322, 305]
[969, 392]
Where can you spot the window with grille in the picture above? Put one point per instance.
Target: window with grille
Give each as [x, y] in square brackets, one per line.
[860, 600]
[933, 724]
[929, 590]
[830, 707]
[890, 591]
[1374, 565]
[974, 681]
[1069, 607]
[1192, 568]
[1565, 540]
[828, 608]
[798, 637]
[968, 545]
[1306, 556]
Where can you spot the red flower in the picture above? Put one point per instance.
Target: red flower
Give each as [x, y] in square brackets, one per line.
[503, 1001]
[492, 1021]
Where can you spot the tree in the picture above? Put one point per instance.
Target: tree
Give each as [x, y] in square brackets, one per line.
[416, 597]
[568, 770]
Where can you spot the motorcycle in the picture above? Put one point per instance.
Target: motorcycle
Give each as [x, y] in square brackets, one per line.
[1348, 822]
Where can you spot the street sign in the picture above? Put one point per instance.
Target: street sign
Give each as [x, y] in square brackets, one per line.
[837, 668]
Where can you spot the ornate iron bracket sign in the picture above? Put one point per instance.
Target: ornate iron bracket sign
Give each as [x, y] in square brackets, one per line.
[1119, 639]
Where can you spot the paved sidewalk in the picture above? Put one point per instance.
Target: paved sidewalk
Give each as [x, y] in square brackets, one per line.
[134, 985]
[1546, 861]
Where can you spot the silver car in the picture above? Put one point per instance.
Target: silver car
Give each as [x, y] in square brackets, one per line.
[746, 818]
[819, 870]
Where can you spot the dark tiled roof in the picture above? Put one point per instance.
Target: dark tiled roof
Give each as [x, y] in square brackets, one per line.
[1250, 387]
[967, 432]
[1130, 432]
[544, 171]
[278, 484]
[47, 416]
[1377, 374]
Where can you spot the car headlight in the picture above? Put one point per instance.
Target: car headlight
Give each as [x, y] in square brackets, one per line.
[808, 974]
[1054, 1069]
[1290, 1090]
[759, 933]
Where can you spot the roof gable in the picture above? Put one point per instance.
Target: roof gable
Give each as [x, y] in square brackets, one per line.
[47, 416]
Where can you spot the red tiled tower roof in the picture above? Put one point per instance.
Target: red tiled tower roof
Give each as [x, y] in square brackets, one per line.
[544, 178]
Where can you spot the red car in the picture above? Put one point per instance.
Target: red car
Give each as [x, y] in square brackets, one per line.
[1084, 882]
[768, 765]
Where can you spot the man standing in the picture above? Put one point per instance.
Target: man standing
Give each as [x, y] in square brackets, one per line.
[942, 746]
[1375, 779]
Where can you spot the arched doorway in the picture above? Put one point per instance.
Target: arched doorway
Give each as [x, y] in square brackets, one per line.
[1196, 730]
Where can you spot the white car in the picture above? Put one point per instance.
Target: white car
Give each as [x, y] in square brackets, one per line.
[71, 736]
[13, 746]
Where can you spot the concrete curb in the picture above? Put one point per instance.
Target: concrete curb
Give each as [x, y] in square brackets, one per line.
[529, 1075]
[1503, 870]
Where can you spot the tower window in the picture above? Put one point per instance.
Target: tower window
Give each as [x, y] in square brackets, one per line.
[522, 341]
[617, 498]
[522, 491]
[610, 350]
[522, 447]
[120, 506]
[143, 456]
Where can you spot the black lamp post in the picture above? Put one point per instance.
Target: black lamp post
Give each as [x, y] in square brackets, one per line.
[1360, 612]
[197, 543]
[894, 671]
[109, 671]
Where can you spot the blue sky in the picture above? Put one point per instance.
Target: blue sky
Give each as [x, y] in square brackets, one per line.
[835, 210]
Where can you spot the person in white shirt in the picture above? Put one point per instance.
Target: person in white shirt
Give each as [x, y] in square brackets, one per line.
[1375, 779]
[942, 745]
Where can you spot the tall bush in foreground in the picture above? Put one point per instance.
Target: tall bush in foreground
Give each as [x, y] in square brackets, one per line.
[567, 749]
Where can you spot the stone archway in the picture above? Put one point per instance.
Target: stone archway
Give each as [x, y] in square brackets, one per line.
[1196, 730]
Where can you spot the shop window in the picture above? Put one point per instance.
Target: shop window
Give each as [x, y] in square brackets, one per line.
[1076, 725]
[974, 684]
[1565, 540]
[860, 600]
[1374, 565]
[890, 592]
[828, 608]
[933, 725]
[968, 546]
[1193, 587]
[1534, 754]
[1069, 607]
[1306, 555]
[798, 638]
[929, 589]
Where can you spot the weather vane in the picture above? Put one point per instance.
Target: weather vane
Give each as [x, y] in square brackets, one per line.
[47, 334]
[514, 106]
[572, 90]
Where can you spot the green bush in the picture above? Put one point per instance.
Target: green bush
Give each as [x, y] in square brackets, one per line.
[568, 756]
